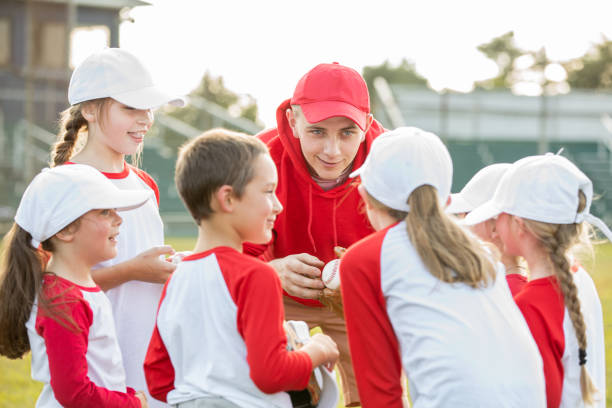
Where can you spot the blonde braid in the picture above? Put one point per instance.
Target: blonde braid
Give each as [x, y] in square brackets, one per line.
[71, 124]
[557, 240]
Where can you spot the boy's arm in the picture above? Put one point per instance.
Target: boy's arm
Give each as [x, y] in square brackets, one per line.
[260, 323]
[66, 353]
[158, 369]
[374, 347]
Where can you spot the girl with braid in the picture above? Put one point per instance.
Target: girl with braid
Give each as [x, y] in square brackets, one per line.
[424, 295]
[541, 206]
[112, 96]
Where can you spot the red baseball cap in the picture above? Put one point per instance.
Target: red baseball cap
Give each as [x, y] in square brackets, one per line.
[330, 90]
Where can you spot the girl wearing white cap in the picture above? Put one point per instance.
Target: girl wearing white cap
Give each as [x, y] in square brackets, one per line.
[56, 310]
[476, 192]
[540, 205]
[423, 295]
[112, 96]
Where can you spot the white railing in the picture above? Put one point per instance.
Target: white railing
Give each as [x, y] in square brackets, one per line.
[606, 139]
[39, 150]
[388, 101]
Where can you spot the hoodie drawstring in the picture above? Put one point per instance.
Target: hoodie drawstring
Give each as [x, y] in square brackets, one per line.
[334, 224]
[312, 241]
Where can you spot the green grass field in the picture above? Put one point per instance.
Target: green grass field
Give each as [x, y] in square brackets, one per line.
[17, 390]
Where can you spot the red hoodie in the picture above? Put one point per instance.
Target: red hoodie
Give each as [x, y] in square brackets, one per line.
[313, 220]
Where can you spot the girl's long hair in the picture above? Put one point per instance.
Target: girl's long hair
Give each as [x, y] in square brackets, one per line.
[21, 279]
[449, 253]
[558, 240]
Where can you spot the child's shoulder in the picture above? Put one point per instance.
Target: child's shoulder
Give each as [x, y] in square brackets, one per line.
[241, 263]
[146, 178]
[233, 262]
[55, 287]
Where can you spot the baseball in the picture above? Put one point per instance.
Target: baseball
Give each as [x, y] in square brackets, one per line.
[331, 275]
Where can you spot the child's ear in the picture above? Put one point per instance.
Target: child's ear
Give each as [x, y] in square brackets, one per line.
[224, 199]
[88, 110]
[67, 234]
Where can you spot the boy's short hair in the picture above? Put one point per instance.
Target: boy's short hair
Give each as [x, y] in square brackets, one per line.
[216, 158]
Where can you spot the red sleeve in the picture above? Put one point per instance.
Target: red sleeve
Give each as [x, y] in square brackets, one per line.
[374, 347]
[544, 315]
[158, 369]
[258, 297]
[66, 353]
[147, 179]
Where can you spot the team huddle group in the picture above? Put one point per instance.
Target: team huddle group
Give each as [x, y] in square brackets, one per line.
[473, 299]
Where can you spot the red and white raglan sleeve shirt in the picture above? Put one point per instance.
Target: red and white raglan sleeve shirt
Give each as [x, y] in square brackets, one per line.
[219, 333]
[458, 345]
[542, 304]
[79, 365]
[374, 347]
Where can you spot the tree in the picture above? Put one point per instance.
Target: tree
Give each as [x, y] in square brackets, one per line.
[594, 69]
[212, 89]
[405, 73]
[504, 52]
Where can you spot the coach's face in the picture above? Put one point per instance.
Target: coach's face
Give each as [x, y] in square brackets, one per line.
[329, 146]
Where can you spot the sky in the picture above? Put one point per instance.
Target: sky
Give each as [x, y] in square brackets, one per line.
[262, 48]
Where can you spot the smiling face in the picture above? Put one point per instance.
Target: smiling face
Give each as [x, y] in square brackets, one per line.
[329, 146]
[119, 127]
[258, 206]
[96, 234]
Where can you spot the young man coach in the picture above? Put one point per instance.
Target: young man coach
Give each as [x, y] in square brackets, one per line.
[323, 132]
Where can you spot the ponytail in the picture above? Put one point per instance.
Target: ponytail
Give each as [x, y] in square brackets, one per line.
[448, 252]
[71, 123]
[558, 240]
[20, 281]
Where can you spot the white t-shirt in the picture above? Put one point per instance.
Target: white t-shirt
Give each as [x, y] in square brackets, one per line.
[134, 302]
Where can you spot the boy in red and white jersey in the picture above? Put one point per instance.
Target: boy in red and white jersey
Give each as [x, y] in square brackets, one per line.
[424, 295]
[541, 207]
[219, 338]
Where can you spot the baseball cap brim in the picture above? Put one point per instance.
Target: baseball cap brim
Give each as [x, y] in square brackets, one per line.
[482, 213]
[458, 205]
[124, 200]
[316, 112]
[148, 98]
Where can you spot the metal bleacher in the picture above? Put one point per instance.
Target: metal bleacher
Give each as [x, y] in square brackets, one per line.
[485, 127]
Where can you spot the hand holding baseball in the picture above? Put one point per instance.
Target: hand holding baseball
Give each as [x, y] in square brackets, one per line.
[300, 275]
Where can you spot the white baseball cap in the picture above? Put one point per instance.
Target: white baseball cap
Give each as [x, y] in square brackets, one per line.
[478, 190]
[58, 196]
[116, 73]
[402, 160]
[541, 188]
